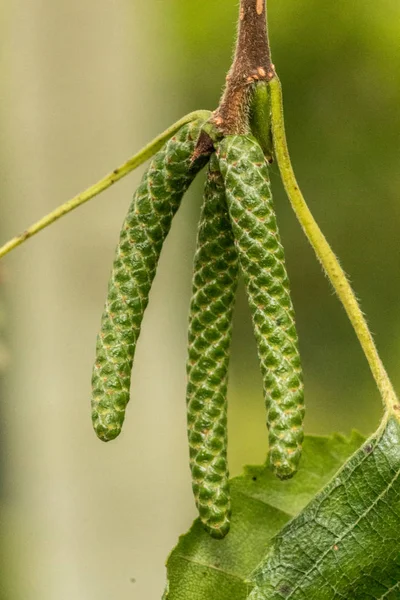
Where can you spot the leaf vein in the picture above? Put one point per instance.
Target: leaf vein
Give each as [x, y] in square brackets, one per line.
[348, 530]
[396, 586]
[209, 566]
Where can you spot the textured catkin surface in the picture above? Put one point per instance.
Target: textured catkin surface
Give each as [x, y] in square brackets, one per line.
[143, 232]
[210, 328]
[262, 262]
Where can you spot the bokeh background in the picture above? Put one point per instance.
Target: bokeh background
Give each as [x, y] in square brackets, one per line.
[83, 86]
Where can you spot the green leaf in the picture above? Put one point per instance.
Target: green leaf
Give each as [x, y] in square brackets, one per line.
[201, 568]
[345, 544]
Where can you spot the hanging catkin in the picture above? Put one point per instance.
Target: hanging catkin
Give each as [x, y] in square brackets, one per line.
[261, 255]
[142, 236]
[210, 329]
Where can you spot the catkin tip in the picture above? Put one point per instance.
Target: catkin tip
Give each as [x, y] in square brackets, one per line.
[285, 467]
[283, 474]
[218, 533]
[106, 434]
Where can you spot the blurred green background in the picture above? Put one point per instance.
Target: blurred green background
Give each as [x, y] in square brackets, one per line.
[84, 85]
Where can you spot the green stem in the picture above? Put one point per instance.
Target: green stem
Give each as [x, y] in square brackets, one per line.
[324, 252]
[107, 181]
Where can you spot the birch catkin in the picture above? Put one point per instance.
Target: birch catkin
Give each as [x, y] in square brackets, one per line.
[210, 327]
[142, 236]
[261, 255]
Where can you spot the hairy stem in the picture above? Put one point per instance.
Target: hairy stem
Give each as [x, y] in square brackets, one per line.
[252, 63]
[107, 181]
[324, 252]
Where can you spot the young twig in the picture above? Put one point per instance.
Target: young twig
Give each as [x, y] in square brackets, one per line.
[119, 173]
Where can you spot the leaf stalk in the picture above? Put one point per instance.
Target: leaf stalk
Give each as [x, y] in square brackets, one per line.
[325, 254]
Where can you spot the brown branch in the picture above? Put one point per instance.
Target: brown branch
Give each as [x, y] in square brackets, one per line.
[252, 63]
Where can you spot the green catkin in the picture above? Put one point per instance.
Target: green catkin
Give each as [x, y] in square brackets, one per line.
[210, 329]
[262, 262]
[142, 236]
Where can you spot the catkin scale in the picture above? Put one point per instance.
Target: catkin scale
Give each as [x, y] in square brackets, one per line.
[210, 329]
[142, 236]
[262, 262]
